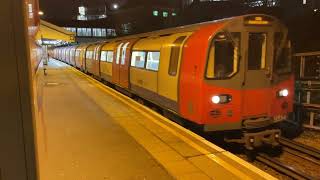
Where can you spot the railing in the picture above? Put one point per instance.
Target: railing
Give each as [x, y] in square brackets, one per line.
[307, 71]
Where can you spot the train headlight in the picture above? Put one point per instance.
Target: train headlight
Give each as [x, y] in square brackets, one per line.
[215, 99]
[221, 99]
[283, 93]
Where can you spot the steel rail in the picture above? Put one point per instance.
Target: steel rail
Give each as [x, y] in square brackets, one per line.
[315, 153]
[282, 168]
[301, 155]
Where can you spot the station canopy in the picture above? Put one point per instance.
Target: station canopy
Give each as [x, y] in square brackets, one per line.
[50, 34]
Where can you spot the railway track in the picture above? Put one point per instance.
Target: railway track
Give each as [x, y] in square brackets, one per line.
[307, 150]
[306, 153]
[282, 167]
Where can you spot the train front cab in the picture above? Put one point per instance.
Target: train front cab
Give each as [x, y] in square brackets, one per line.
[241, 82]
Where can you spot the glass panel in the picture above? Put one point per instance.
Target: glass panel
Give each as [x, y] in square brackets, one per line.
[88, 33]
[155, 13]
[138, 59]
[124, 49]
[257, 51]
[153, 61]
[79, 32]
[223, 55]
[165, 14]
[104, 56]
[89, 55]
[311, 67]
[175, 54]
[118, 53]
[110, 56]
[282, 54]
[98, 32]
[103, 32]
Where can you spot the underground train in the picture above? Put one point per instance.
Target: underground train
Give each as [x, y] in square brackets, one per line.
[231, 75]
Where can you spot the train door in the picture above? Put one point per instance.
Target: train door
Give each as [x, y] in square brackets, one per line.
[96, 61]
[257, 92]
[125, 63]
[116, 64]
[120, 67]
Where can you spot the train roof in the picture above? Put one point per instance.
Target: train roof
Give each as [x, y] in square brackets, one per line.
[174, 30]
[186, 28]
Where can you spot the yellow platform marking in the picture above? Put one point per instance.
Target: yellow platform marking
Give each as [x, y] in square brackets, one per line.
[142, 110]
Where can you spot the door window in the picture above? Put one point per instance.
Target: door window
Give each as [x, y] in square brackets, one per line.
[118, 53]
[123, 57]
[223, 55]
[89, 54]
[257, 51]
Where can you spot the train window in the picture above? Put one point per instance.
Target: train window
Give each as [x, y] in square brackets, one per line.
[153, 61]
[89, 54]
[257, 51]
[282, 54]
[104, 55]
[138, 59]
[223, 55]
[118, 53]
[124, 49]
[77, 53]
[110, 56]
[175, 54]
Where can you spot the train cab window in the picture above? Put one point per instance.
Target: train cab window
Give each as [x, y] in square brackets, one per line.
[104, 55]
[124, 49]
[223, 55]
[153, 61]
[138, 59]
[282, 54]
[118, 53]
[175, 54]
[257, 51]
[110, 56]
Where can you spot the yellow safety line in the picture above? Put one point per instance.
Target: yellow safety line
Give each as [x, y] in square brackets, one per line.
[213, 157]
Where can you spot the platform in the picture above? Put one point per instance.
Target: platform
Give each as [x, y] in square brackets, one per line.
[90, 132]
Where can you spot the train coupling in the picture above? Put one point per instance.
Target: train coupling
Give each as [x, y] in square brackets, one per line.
[257, 139]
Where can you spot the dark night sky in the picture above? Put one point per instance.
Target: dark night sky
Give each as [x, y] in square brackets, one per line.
[66, 9]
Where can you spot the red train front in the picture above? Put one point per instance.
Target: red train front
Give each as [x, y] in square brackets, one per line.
[242, 84]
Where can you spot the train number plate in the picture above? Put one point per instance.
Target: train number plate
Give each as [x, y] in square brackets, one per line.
[280, 117]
